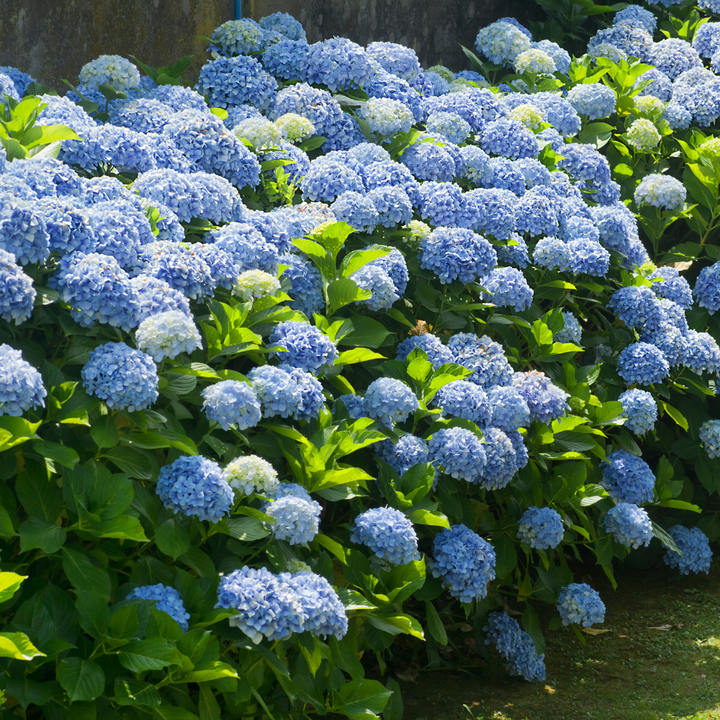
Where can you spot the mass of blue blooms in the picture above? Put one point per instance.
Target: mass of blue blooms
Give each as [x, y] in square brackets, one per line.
[332, 329]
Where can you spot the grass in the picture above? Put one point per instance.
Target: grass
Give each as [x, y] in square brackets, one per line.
[632, 672]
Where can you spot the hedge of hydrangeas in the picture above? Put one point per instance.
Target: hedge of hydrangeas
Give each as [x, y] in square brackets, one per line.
[331, 348]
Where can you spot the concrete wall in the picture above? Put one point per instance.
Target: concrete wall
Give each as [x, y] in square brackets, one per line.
[53, 39]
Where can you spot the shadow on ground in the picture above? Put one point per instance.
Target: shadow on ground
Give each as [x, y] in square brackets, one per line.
[660, 660]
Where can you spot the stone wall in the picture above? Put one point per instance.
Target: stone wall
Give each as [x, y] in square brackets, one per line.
[53, 39]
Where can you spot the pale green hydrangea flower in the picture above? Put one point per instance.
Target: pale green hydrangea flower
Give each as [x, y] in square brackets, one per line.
[253, 284]
[250, 474]
[643, 135]
[535, 61]
[260, 132]
[295, 128]
[531, 117]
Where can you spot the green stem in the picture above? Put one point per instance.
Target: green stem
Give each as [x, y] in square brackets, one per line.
[262, 703]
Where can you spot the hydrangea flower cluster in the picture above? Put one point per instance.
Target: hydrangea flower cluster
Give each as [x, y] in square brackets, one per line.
[660, 191]
[389, 401]
[124, 378]
[167, 599]
[231, 402]
[579, 604]
[516, 646]
[388, 533]
[628, 479]
[710, 437]
[194, 486]
[21, 385]
[167, 334]
[296, 515]
[17, 294]
[305, 346]
[541, 528]
[695, 548]
[640, 409]
[464, 561]
[629, 525]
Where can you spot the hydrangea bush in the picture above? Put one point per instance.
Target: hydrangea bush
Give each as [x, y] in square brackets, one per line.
[332, 349]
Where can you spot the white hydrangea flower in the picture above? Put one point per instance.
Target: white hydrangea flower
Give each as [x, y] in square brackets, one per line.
[250, 474]
[110, 70]
[253, 284]
[260, 132]
[295, 128]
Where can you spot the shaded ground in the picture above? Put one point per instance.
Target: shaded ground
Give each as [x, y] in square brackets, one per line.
[633, 672]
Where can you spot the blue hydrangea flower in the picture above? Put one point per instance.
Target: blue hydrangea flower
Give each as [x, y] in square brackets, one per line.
[47, 176]
[636, 15]
[23, 232]
[501, 42]
[546, 401]
[629, 525]
[388, 533]
[267, 606]
[464, 561]
[629, 38]
[516, 646]
[514, 253]
[589, 257]
[391, 204]
[584, 162]
[592, 100]
[110, 70]
[674, 56]
[671, 286]
[508, 287]
[642, 363]
[385, 85]
[502, 463]
[429, 160]
[167, 334]
[327, 179]
[389, 401]
[510, 139]
[450, 125]
[386, 117]
[276, 391]
[20, 79]
[457, 254]
[378, 281]
[97, 290]
[124, 378]
[464, 399]
[459, 453]
[142, 115]
[357, 210]
[193, 485]
[535, 215]
[637, 307]
[509, 409]
[493, 211]
[660, 191]
[695, 548]
[571, 331]
[485, 357]
[541, 528]
[337, 64]
[285, 58]
[247, 247]
[407, 452]
[437, 353]
[579, 604]
[660, 85]
[560, 57]
[552, 253]
[17, 293]
[628, 478]
[167, 599]
[239, 37]
[21, 385]
[284, 24]
[324, 612]
[701, 353]
[396, 59]
[233, 81]
[305, 346]
[205, 140]
[385, 174]
[305, 282]
[707, 288]
[231, 402]
[640, 409]
[710, 437]
[297, 519]
[475, 163]
[250, 474]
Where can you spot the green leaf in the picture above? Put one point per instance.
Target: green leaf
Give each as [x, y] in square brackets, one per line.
[435, 624]
[81, 679]
[130, 461]
[343, 292]
[129, 691]
[542, 334]
[675, 414]
[43, 534]
[429, 517]
[122, 528]
[357, 355]
[357, 259]
[357, 698]
[506, 555]
[104, 432]
[67, 457]
[16, 430]
[83, 575]
[18, 647]
[210, 671]
[531, 625]
[40, 497]
[680, 505]
[367, 333]
[9, 584]
[172, 538]
[665, 538]
[246, 529]
[166, 712]
[142, 655]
